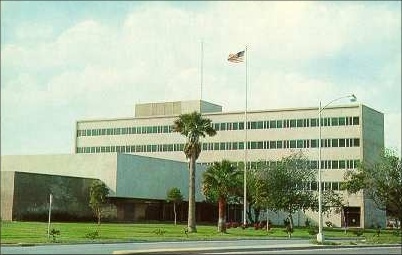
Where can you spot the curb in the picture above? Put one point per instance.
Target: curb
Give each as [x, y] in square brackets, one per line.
[240, 248]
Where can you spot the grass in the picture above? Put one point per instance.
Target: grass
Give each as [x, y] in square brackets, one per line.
[24, 233]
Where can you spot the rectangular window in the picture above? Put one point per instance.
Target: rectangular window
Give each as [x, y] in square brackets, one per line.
[253, 145]
[234, 145]
[334, 122]
[279, 144]
[272, 144]
[341, 121]
[355, 120]
[314, 122]
[272, 124]
[314, 143]
[223, 146]
[279, 124]
[260, 125]
[335, 142]
[342, 142]
[223, 126]
[300, 123]
[292, 143]
[252, 125]
[241, 145]
[335, 164]
[356, 142]
[260, 145]
[299, 144]
[241, 125]
[216, 146]
[342, 164]
[293, 123]
[235, 125]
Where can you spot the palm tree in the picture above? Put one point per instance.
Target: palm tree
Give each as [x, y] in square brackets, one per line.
[193, 126]
[220, 181]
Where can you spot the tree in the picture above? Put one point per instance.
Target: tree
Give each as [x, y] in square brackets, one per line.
[174, 195]
[97, 197]
[286, 185]
[381, 181]
[220, 181]
[193, 126]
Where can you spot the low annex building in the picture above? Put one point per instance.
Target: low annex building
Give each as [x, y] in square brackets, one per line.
[138, 186]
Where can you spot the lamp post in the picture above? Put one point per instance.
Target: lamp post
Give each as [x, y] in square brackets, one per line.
[320, 235]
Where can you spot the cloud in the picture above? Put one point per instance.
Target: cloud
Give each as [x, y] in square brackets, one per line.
[296, 56]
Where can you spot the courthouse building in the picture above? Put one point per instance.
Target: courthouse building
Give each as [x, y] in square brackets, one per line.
[351, 133]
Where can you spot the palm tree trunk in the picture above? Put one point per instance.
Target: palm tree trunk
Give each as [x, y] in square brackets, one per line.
[222, 215]
[191, 196]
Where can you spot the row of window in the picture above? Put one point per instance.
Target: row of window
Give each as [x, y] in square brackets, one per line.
[313, 164]
[313, 143]
[283, 144]
[268, 124]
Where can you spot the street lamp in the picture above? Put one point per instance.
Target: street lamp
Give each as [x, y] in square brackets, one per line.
[320, 235]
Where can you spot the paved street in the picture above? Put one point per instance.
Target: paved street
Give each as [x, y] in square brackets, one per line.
[277, 246]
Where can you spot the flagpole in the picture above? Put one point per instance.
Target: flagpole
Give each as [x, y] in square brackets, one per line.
[202, 68]
[50, 211]
[245, 150]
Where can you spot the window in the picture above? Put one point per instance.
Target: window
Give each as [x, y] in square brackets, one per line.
[279, 124]
[342, 164]
[334, 122]
[314, 143]
[356, 142]
[335, 164]
[223, 146]
[299, 143]
[272, 124]
[234, 145]
[241, 145]
[241, 125]
[272, 144]
[293, 123]
[260, 145]
[355, 120]
[300, 123]
[235, 125]
[313, 122]
[292, 143]
[334, 142]
[341, 121]
[252, 125]
[279, 144]
[260, 125]
[223, 126]
[216, 146]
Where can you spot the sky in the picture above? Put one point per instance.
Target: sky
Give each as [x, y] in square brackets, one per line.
[64, 61]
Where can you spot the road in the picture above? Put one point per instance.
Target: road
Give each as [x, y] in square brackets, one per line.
[272, 246]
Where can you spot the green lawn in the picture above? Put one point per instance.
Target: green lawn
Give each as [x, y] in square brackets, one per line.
[36, 232]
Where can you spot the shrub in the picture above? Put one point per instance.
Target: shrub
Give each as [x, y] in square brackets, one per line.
[92, 235]
[329, 224]
[54, 233]
[358, 231]
[312, 230]
[159, 232]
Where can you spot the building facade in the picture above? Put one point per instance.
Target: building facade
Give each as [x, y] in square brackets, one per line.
[137, 185]
[351, 134]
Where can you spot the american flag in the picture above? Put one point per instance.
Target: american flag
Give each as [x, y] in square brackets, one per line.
[236, 58]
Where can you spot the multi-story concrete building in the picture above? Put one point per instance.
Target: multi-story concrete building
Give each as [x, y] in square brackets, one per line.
[350, 134]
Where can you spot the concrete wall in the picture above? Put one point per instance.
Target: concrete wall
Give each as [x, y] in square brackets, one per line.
[150, 178]
[7, 194]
